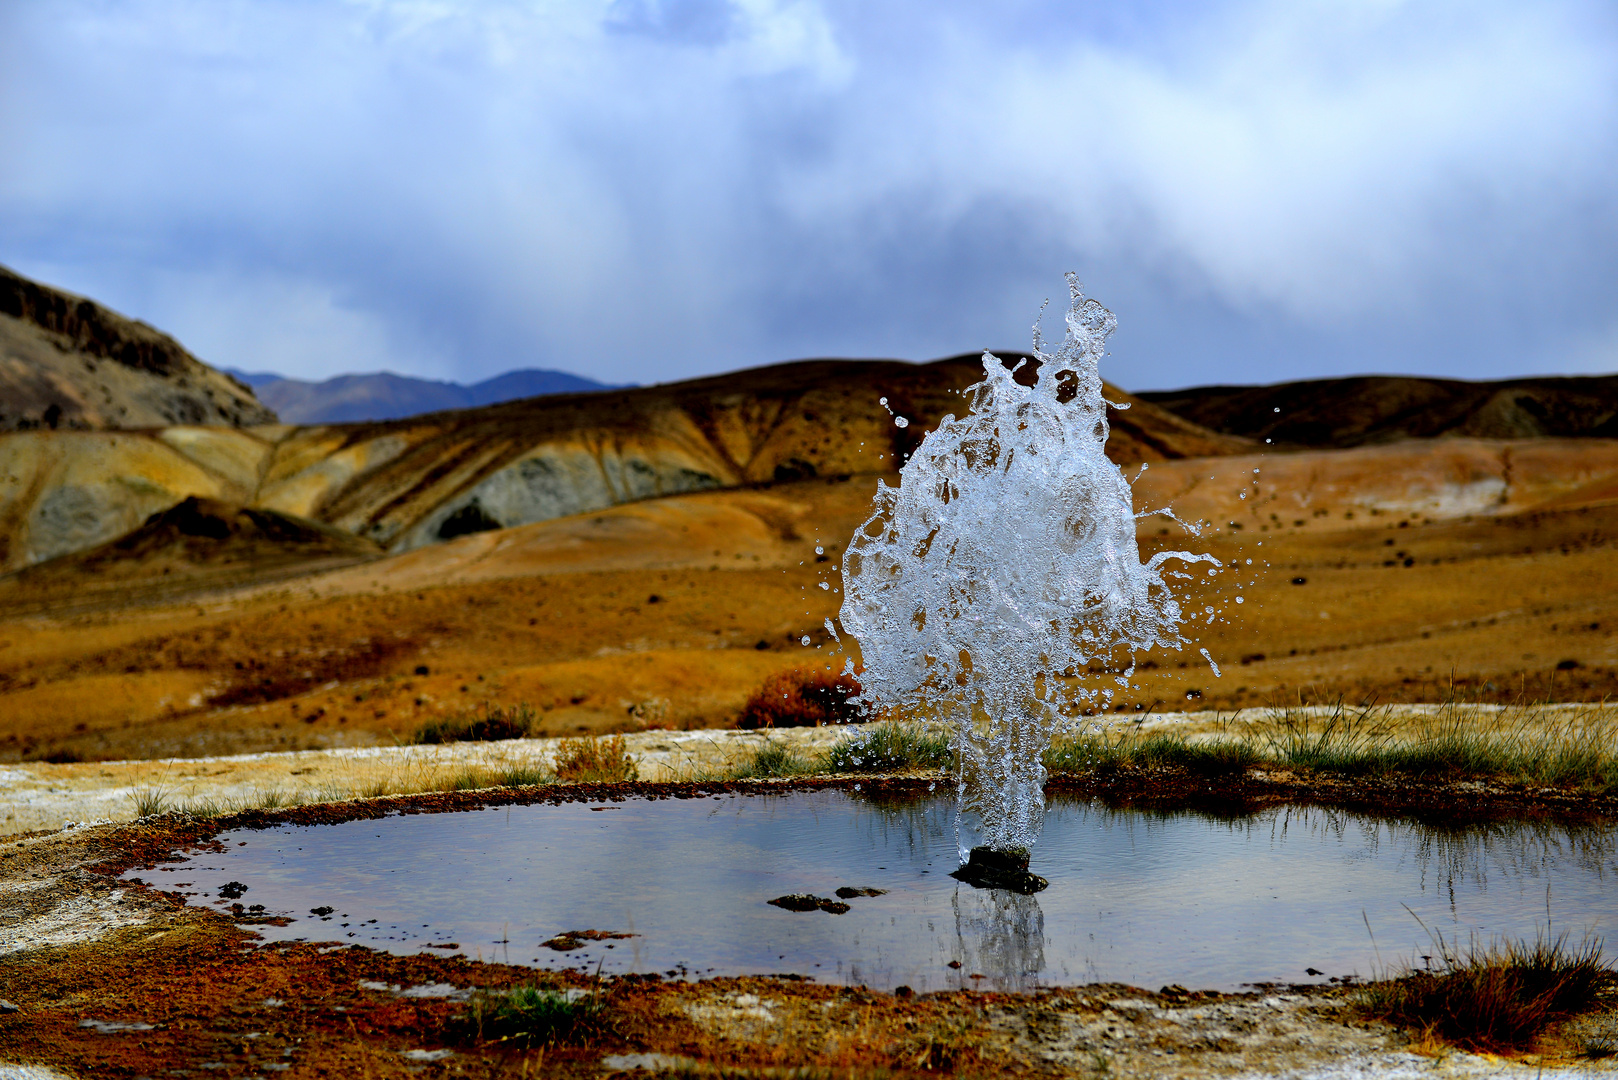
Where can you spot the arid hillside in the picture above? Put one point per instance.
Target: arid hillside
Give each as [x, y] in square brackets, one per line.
[1328, 413]
[69, 363]
[408, 483]
[1394, 573]
[648, 557]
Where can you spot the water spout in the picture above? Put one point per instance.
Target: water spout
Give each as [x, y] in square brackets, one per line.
[1003, 566]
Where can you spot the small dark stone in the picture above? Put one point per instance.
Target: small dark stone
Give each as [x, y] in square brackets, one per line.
[423, 669]
[903, 992]
[796, 902]
[833, 907]
[1300, 581]
[987, 868]
[1567, 665]
[1313, 971]
[232, 890]
[321, 911]
[848, 892]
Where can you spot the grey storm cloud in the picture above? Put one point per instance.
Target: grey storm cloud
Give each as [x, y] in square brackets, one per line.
[644, 190]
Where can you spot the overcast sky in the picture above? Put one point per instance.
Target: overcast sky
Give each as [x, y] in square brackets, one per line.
[644, 190]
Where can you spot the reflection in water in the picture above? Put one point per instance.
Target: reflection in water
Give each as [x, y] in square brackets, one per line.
[1136, 896]
[1446, 857]
[999, 937]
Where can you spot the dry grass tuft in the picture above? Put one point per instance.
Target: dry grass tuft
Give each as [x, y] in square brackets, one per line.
[496, 723]
[595, 761]
[803, 698]
[1499, 997]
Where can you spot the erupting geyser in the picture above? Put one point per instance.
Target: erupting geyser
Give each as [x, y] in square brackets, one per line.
[999, 570]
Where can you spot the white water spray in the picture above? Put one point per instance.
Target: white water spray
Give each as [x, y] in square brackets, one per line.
[1001, 568]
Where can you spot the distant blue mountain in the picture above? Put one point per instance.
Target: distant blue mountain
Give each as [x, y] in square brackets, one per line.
[386, 396]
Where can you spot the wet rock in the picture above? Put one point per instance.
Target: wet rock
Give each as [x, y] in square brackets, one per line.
[796, 902]
[809, 902]
[232, 890]
[987, 868]
[569, 940]
[848, 892]
[7, 1007]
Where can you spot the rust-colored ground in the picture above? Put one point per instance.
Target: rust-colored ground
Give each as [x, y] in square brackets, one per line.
[178, 988]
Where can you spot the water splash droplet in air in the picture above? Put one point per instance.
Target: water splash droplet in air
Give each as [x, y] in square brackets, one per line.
[1002, 566]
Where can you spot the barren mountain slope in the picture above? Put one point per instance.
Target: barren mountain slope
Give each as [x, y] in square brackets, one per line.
[68, 362]
[408, 483]
[1383, 408]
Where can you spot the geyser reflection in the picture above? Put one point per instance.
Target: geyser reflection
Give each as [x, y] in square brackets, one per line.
[1001, 568]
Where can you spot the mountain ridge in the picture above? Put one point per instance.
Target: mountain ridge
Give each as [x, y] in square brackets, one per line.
[1360, 410]
[387, 395]
[69, 362]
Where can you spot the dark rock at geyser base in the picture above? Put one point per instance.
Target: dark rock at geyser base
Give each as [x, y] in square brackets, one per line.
[987, 868]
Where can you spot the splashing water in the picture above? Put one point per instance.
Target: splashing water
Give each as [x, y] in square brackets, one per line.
[1002, 566]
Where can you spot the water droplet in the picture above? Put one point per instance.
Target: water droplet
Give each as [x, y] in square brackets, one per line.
[819, 550]
[805, 638]
[983, 523]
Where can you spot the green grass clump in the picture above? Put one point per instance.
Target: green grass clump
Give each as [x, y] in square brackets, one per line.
[150, 801]
[1520, 743]
[1081, 753]
[496, 723]
[890, 746]
[1498, 997]
[529, 1016]
[478, 777]
[774, 759]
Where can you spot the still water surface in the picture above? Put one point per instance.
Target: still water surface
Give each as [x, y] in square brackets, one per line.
[1145, 898]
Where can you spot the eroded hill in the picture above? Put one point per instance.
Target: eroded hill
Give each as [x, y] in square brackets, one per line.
[69, 363]
[1328, 413]
[408, 483]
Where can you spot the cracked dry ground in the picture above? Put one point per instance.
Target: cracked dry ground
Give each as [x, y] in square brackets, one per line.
[121, 981]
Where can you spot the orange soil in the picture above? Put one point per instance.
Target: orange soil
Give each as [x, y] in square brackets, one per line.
[1394, 605]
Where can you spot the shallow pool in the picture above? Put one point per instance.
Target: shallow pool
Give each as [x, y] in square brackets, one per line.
[1146, 898]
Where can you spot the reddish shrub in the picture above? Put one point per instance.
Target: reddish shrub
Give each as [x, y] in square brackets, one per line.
[799, 698]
